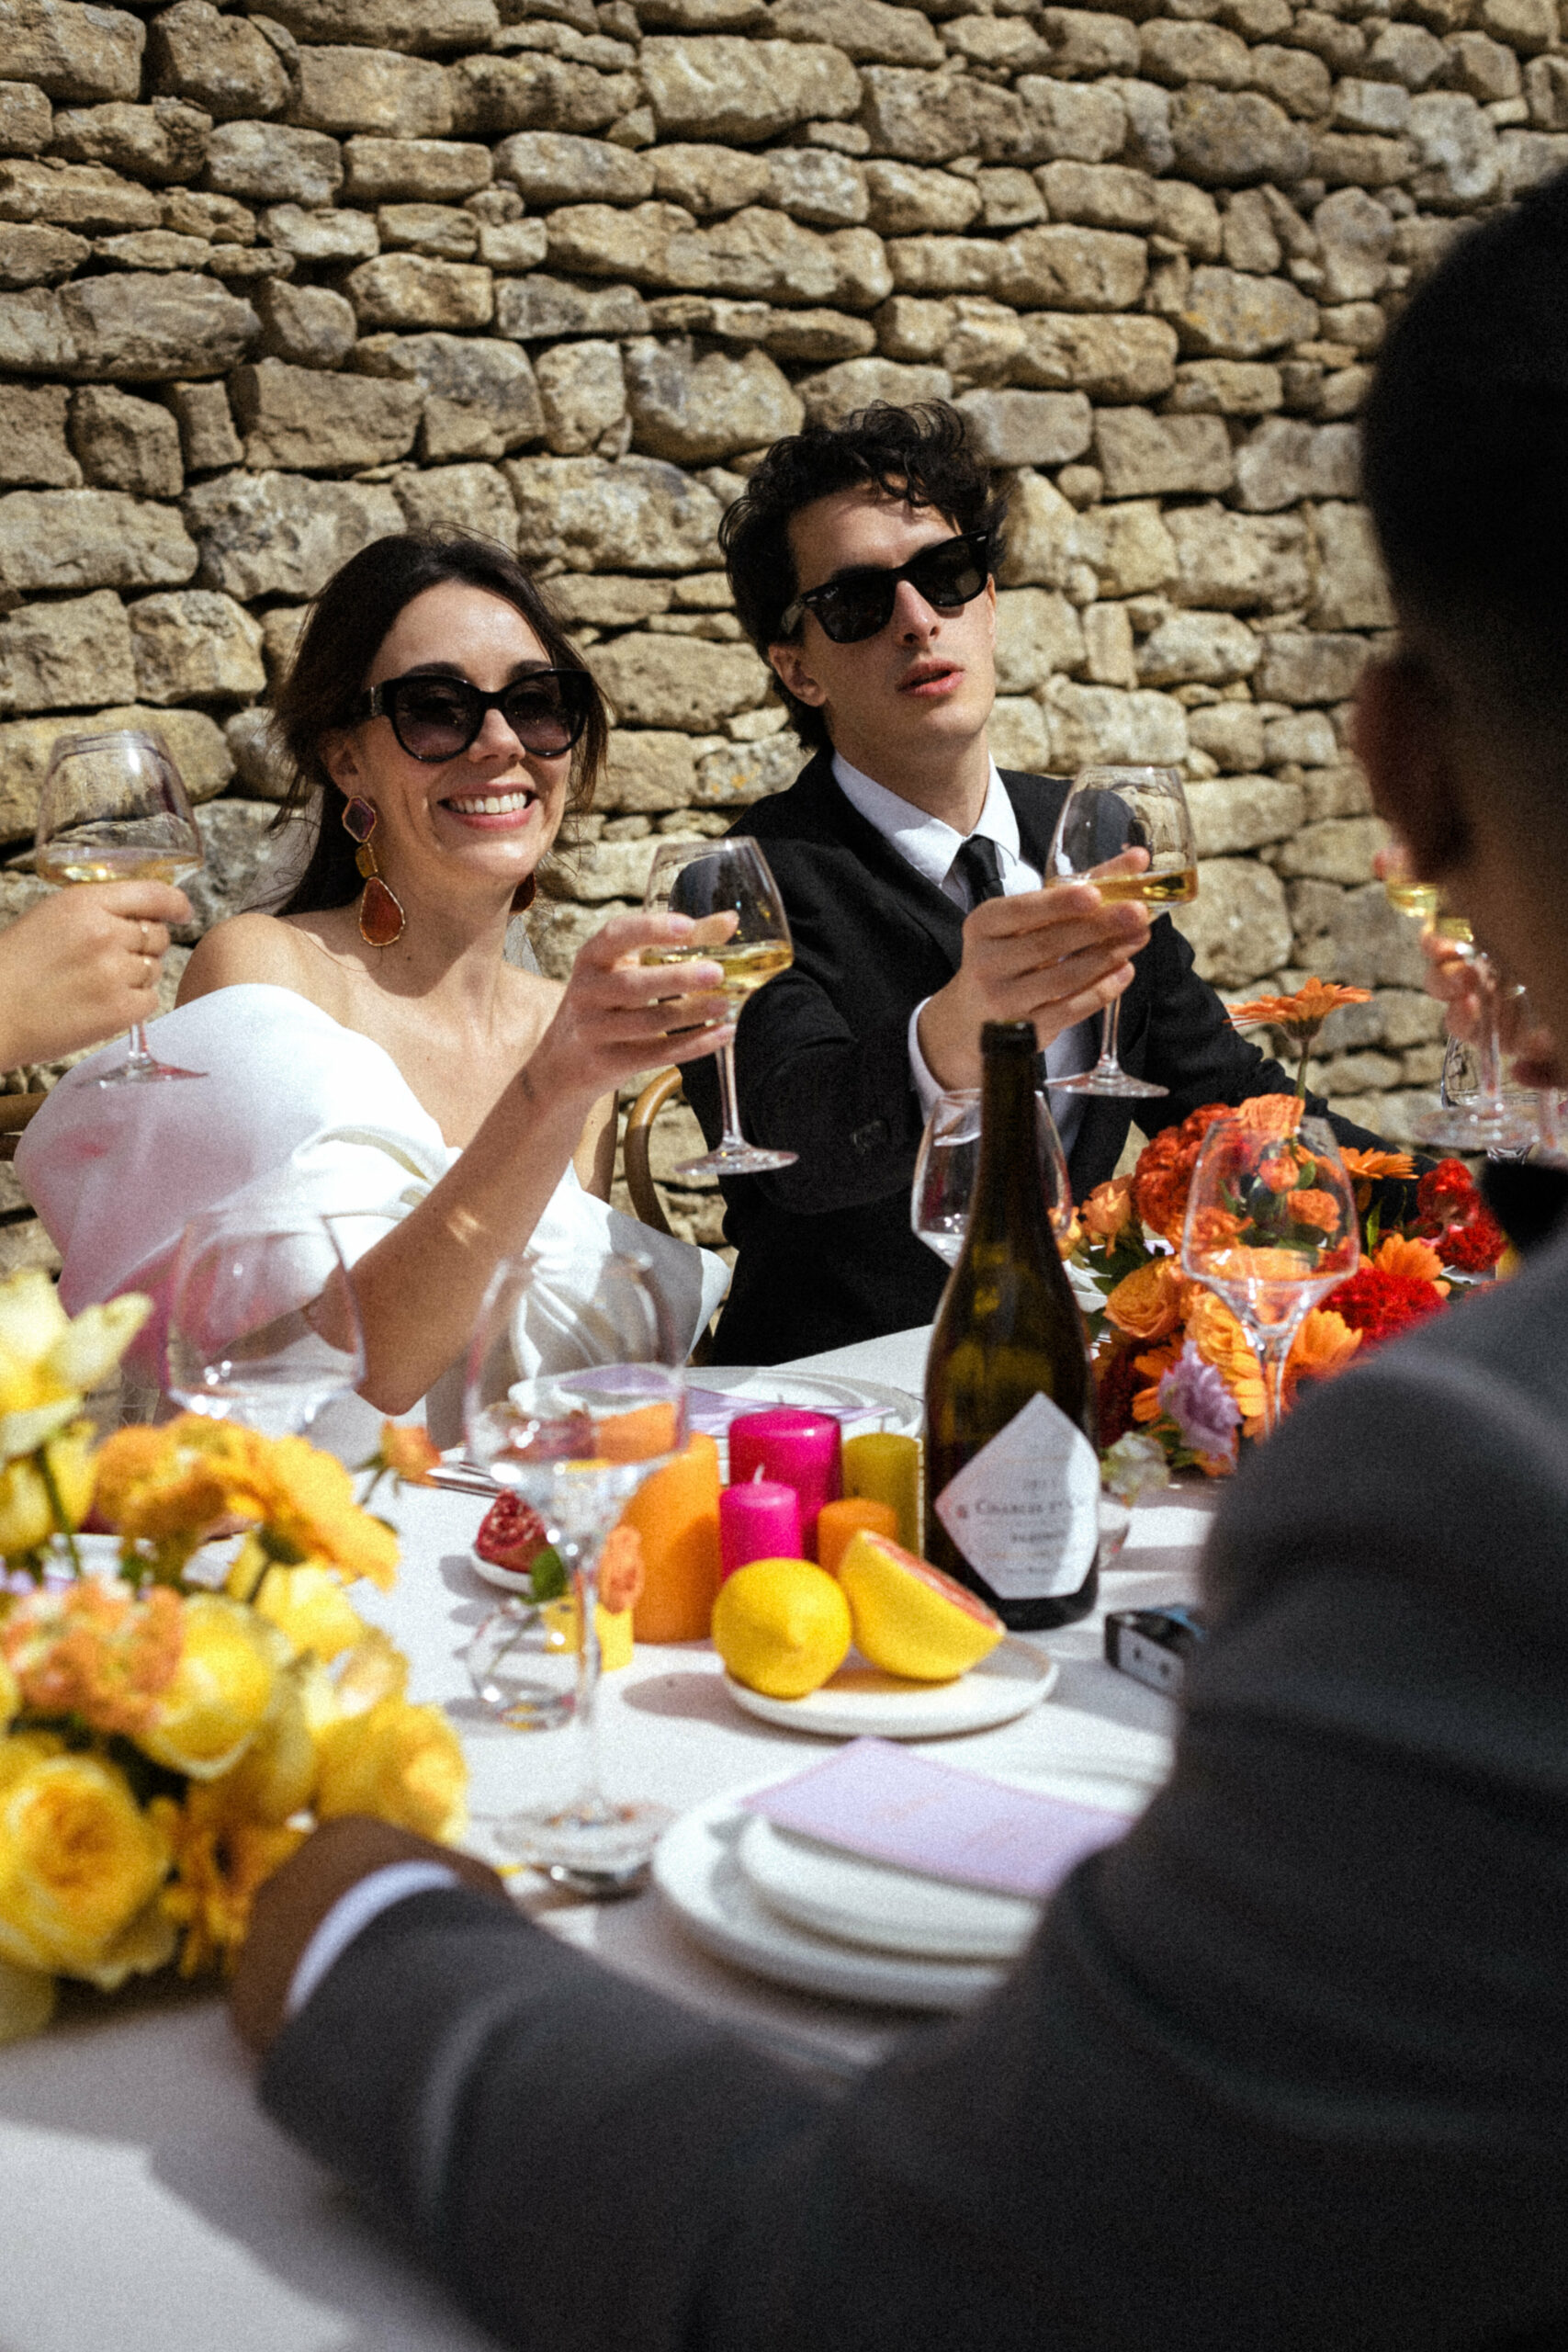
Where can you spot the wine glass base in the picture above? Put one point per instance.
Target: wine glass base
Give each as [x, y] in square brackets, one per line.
[732, 1160]
[601, 1851]
[1115, 1082]
[137, 1073]
[1460, 1131]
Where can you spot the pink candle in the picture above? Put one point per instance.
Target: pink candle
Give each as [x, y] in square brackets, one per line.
[759, 1521]
[801, 1448]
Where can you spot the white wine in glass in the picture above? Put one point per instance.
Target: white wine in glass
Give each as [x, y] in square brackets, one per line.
[113, 809]
[737, 922]
[1112, 816]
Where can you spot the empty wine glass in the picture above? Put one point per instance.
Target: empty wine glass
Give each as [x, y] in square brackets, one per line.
[1110, 811]
[577, 1443]
[113, 809]
[739, 923]
[263, 1322]
[1271, 1226]
[947, 1162]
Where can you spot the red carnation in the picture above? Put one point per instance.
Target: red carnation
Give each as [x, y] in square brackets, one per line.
[1445, 1195]
[1472, 1246]
[1379, 1306]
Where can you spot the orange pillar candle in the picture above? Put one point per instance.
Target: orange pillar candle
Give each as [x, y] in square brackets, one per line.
[676, 1514]
[836, 1522]
[887, 1468]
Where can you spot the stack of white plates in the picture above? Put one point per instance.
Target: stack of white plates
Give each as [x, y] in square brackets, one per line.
[808, 1915]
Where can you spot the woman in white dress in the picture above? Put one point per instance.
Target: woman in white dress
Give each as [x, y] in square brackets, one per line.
[369, 1048]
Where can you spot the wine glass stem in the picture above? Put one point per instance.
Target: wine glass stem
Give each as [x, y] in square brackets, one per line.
[1490, 1045]
[1274, 1351]
[588, 1802]
[1110, 1029]
[139, 1054]
[728, 1099]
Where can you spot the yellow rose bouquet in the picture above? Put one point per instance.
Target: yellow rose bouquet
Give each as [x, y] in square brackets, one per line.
[173, 1724]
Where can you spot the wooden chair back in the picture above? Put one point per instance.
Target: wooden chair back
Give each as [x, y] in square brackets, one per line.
[659, 1090]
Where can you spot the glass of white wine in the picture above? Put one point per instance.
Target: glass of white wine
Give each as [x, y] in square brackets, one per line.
[739, 923]
[1110, 811]
[113, 809]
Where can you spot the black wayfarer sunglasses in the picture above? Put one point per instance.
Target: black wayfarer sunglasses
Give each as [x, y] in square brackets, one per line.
[856, 603]
[436, 719]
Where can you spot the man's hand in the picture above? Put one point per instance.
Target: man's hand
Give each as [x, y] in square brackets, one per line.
[82, 965]
[1053, 956]
[296, 1899]
[1455, 982]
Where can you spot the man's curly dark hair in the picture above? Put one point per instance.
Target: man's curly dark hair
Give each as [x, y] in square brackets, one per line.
[921, 454]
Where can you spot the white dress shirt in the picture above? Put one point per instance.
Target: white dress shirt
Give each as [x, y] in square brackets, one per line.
[930, 845]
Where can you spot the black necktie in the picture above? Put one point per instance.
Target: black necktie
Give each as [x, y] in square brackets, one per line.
[979, 869]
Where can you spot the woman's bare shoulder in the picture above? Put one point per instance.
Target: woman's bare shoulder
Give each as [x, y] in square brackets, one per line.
[256, 948]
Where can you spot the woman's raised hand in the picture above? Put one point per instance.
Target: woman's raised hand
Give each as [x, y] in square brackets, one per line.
[641, 993]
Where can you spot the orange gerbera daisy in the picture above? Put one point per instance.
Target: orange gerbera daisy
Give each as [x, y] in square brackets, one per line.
[1324, 1345]
[1415, 1259]
[1302, 1015]
[1375, 1164]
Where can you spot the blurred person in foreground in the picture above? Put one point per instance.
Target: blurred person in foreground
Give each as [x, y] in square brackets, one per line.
[1288, 2066]
[81, 966]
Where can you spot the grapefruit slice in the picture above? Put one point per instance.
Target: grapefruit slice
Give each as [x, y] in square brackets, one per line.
[909, 1618]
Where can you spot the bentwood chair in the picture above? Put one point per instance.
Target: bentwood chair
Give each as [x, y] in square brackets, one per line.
[658, 1092]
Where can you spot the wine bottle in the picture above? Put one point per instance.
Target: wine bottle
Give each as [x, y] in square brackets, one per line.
[1012, 1475]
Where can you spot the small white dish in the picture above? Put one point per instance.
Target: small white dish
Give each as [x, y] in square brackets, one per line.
[855, 1900]
[697, 1869]
[504, 1579]
[860, 1702]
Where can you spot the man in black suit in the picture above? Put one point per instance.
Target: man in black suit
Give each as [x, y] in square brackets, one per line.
[862, 558]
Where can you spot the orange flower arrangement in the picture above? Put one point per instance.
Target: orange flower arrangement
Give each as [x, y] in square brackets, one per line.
[1147, 1319]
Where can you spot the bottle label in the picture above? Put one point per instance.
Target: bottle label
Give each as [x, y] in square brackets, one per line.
[1024, 1510]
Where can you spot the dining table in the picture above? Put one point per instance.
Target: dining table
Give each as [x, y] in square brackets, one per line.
[147, 2204]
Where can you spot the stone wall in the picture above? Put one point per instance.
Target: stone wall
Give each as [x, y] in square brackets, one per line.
[273, 284]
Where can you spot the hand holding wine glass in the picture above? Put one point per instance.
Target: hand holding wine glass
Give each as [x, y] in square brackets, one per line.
[1129, 831]
[577, 1444]
[739, 923]
[113, 809]
[1271, 1226]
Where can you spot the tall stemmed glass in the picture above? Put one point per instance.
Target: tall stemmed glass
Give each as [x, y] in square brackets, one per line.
[263, 1322]
[739, 923]
[113, 809]
[1110, 811]
[949, 1158]
[577, 1443]
[1271, 1226]
[1489, 1123]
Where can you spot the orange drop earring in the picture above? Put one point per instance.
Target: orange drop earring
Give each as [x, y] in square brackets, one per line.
[381, 917]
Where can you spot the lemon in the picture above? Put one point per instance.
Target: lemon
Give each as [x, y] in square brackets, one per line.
[909, 1618]
[781, 1627]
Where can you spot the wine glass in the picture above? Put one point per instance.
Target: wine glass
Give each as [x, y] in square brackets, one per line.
[1488, 1122]
[1109, 812]
[264, 1323]
[577, 1443]
[113, 810]
[1271, 1226]
[739, 923]
[949, 1159]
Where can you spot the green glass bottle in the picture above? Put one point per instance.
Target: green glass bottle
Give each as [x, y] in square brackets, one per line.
[1013, 1477]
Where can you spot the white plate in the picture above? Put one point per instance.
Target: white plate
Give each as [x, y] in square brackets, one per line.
[854, 1900]
[697, 1870]
[508, 1579]
[861, 1405]
[858, 1703]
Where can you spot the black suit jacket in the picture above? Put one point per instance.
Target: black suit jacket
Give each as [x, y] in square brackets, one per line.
[1286, 2069]
[826, 1253]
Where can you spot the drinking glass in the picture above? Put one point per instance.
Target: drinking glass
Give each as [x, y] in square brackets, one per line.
[1271, 1227]
[113, 810]
[577, 1443]
[739, 923]
[1109, 811]
[949, 1161]
[1488, 1122]
[263, 1322]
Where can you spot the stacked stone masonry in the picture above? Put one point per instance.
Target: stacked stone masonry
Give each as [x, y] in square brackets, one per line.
[273, 284]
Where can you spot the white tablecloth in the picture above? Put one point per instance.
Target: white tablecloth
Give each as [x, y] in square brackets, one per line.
[146, 2205]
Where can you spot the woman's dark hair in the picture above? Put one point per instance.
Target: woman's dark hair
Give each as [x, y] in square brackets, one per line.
[920, 454]
[349, 621]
